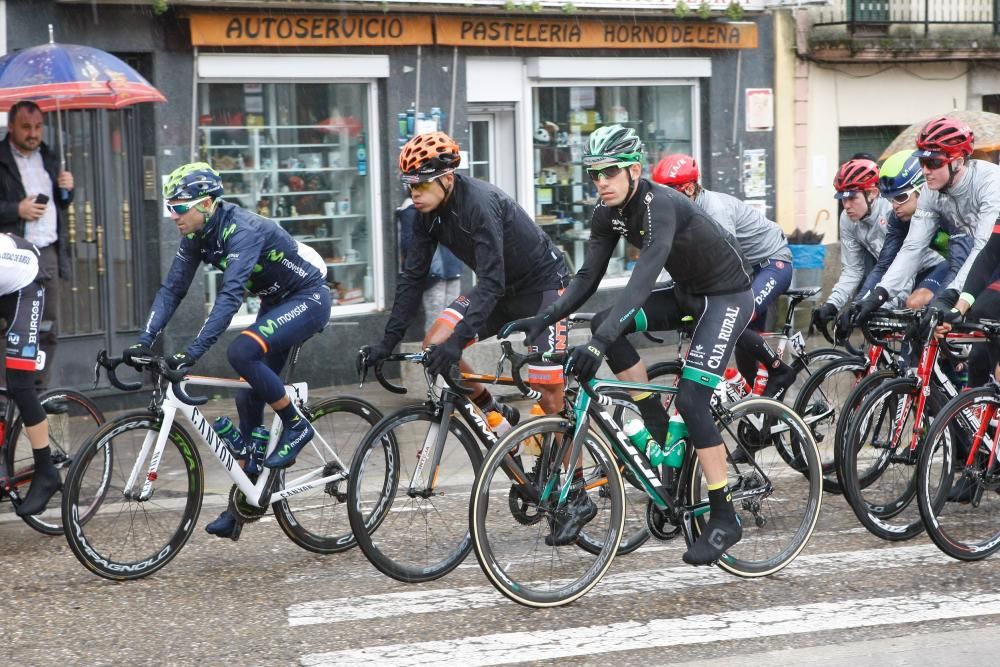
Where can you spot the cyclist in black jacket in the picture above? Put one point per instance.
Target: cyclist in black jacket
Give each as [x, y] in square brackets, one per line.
[712, 280]
[518, 269]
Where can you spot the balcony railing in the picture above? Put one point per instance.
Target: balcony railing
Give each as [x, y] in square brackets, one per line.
[911, 16]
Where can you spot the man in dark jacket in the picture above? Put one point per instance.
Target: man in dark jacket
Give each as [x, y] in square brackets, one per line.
[34, 195]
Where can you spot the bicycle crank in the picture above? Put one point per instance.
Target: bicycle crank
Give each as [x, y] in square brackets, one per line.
[656, 522]
[244, 511]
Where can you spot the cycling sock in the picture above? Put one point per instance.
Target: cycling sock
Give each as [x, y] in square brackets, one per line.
[654, 415]
[43, 457]
[722, 531]
[289, 416]
[485, 401]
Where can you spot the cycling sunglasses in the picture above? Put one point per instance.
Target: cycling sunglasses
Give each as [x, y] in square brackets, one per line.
[422, 186]
[903, 197]
[934, 162]
[608, 173]
[181, 209]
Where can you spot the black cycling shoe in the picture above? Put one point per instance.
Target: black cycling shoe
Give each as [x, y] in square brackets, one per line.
[778, 381]
[720, 534]
[225, 525]
[566, 526]
[510, 413]
[44, 483]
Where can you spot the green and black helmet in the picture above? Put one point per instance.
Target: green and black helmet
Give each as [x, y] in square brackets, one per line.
[613, 145]
[196, 180]
[900, 174]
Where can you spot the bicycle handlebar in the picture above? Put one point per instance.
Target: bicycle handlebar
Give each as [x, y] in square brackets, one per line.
[159, 368]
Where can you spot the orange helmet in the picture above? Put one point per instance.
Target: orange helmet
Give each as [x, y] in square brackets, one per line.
[428, 156]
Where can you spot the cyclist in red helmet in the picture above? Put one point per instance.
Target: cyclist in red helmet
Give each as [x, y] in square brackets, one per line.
[863, 225]
[518, 269]
[765, 247]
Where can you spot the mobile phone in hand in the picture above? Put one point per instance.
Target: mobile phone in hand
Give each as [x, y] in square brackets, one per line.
[42, 198]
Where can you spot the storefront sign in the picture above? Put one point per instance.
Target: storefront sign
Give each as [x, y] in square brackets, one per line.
[569, 33]
[310, 30]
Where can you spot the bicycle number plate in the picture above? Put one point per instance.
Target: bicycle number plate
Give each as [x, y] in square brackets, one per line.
[798, 341]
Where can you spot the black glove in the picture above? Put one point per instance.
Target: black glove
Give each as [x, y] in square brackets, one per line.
[585, 360]
[822, 315]
[531, 326]
[946, 300]
[870, 304]
[180, 361]
[139, 350]
[440, 358]
[845, 321]
[370, 355]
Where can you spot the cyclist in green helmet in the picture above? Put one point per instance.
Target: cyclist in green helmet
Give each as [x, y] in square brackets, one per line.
[712, 281]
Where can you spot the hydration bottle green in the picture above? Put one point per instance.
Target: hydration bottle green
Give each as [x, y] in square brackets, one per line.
[670, 454]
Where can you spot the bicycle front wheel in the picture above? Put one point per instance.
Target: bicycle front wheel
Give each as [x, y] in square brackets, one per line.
[316, 519]
[958, 494]
[510, 541]
[72, 418]
[126, 533]
[410, 520]
[777, 497]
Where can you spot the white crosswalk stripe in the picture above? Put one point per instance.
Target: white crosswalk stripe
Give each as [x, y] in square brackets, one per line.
[422, 600]
[504, 648]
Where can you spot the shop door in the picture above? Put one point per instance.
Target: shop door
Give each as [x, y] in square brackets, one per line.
[491, 146]
[100, 304]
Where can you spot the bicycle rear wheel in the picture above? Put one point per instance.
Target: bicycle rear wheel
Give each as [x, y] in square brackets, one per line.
[511, 550]
[777, 501]
[959, 499]
[412, 531]
[316, 519]
[72, 418]
[119, 536]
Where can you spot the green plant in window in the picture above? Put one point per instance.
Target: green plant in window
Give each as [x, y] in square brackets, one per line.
[535, 7]
[569, 8]
[681, 9]
[160, 6]
[509, 5]
[735, 11]
[704, 10]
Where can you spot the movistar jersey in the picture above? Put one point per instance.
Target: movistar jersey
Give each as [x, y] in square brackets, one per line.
[254, 254]
[970, 207]
[867, 235]
[673, 234]
[760, 239]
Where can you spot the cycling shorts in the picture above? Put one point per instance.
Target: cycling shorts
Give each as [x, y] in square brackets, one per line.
[553, 339]
[23, 312]
[771, 279]
[291, 321]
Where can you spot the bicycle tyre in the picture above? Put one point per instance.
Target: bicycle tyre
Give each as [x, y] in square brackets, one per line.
[513, 554]
[967, 530]
[67, 432]
[123, 538]
[820, 407]
[852, 404]
[777, 508]
[880, 480]
[317, 520]
[383, 512]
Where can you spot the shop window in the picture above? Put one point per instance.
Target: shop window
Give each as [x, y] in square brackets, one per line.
[564, 117]
[866, 140]
[296, 153]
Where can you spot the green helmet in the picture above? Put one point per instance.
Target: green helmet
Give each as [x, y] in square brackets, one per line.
[613, 144]
[193, 181]
[899, 174]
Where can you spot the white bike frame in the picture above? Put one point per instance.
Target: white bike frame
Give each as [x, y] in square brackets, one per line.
[154, 443]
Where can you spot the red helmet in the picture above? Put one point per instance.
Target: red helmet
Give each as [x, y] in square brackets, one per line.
[854, 176]
[676, 170]
[427, 156]
[946, 135]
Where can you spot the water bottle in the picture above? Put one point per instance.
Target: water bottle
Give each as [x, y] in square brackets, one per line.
[498, 423]
[671, 454]
[531, 446]
[230, 436]
[677, 432]
[736, 385]
[258, 448]
[760, 382]
[362, 156]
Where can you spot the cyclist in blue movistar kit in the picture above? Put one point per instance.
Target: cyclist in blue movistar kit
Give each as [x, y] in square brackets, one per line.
[258, 256]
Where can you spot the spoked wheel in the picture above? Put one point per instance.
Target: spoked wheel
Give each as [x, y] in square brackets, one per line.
[411, 521]
[959, 494]
[317, 519]
[72, 418]
[879, 463]
[514, 554]
[777, 502]
[128, 532]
